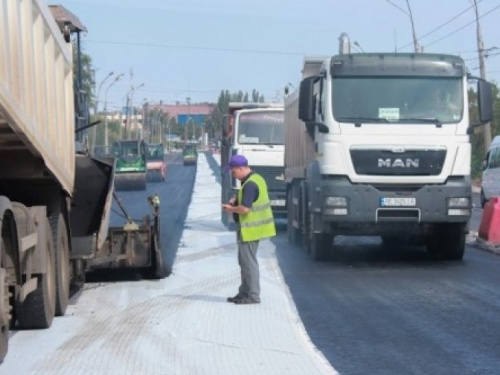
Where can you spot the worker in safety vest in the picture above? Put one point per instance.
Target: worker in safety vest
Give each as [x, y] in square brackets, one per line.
[252, 213]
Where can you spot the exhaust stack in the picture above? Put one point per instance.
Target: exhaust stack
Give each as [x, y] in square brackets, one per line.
[344, 44]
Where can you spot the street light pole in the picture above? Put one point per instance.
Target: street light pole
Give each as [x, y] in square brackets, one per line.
[117, 78]
[480, 51]
[188, 101]
[415, 41]
[168, 126]
[96, 109]
[416, 45]
[130, 100]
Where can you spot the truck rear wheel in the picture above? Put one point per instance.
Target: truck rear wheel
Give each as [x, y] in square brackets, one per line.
[61, 249]
[5, 308]
[38, 309]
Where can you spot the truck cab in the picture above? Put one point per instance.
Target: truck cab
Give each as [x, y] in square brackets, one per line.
[385, 150]
[255, 130]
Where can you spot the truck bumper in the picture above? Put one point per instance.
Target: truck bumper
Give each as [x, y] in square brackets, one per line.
[390, 207]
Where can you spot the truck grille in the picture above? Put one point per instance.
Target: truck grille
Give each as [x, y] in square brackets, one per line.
[270, 174]
[423, 162]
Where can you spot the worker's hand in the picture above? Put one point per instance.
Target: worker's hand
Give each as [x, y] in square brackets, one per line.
[226, 207]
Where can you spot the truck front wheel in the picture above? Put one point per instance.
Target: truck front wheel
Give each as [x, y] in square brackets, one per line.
[320, 244]
[448, 240]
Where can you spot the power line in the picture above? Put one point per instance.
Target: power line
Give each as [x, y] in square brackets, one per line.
[397, 6]
[198, 48]
[439, 27]
[463, 27]
[489, 56]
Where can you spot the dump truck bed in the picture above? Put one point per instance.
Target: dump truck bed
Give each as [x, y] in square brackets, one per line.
[36, 96]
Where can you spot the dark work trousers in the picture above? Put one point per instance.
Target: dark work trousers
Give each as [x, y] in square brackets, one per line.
[247, 259]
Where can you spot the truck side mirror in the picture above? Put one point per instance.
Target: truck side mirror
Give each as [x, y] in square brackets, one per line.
[485, 101]
[307, 102]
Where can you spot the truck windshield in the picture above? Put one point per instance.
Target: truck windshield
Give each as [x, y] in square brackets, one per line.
[261, 128]
[397, 99]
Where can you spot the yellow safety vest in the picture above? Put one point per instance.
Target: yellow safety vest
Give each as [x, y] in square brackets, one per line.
[258, 223]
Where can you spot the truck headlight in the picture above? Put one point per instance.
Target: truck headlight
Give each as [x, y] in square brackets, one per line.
[459, 206]
[336, 206]
[336, 201]
[461, 202]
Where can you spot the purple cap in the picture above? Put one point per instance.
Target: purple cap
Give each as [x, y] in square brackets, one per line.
[236, 161]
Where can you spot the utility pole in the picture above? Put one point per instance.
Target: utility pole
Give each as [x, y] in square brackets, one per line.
[186, 136]
[96, 110]
[106, 136]
[480, 51]
[415, 40]
[127, 118]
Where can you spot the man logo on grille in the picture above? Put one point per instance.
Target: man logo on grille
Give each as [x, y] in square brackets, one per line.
[398, 163]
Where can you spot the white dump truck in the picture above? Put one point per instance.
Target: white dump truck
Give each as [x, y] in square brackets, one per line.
[377, 144]
[255, 130]
[54, 198]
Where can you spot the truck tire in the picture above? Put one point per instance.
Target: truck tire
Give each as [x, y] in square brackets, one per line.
[483, 199]
[78, 272]
[38, 309]
[292, 232]
[5, 308]
[320, 244]
[304, 217]
[453, 241]
[63, 270]
[448, 241]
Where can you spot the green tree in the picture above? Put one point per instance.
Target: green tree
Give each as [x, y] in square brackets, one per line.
[86, 72]
[214, 122]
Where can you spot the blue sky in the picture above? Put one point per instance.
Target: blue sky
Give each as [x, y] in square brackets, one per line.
[196, 48]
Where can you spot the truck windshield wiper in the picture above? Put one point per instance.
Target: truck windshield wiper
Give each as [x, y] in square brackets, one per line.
[426, 120]
[359, 120]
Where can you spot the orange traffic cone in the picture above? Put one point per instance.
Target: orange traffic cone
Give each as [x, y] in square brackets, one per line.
[489, 229]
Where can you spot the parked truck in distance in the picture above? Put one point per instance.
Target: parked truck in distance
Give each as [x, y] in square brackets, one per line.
[371, 151]
[255, 130]
[55, 198]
